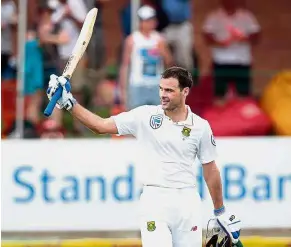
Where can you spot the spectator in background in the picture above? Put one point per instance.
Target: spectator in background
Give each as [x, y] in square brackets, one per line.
[8, 20]
[96, 47]
[50, 37]
[70, 15]
[125, 18]
[231, 31]
[33, 76]
[104, 94]
[33, 86]
[144, 56]
[179, 32]
[29, 131]
[51, 130]
[162, 17]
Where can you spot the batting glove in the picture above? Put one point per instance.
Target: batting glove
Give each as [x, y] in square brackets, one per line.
[229, 223]
[67, 101]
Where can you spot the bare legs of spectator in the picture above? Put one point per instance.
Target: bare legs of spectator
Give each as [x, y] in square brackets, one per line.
[104, 94]
[34, 107]
[180, 36]
[57, 116]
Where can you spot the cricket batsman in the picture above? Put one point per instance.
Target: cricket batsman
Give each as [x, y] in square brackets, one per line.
[171, 137]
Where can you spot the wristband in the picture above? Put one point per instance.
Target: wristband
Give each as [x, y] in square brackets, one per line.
[219, 211]
[70, 106]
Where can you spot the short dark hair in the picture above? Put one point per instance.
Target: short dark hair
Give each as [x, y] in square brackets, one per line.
[183, 76]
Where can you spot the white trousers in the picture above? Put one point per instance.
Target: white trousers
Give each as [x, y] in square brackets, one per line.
[170, 217]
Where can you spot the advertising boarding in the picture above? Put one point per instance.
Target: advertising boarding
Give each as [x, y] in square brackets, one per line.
[94, 184]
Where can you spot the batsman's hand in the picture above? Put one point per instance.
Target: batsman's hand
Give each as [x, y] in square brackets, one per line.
[230, 224]
[67, 101]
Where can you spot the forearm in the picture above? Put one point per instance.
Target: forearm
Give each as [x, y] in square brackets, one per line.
[51, 39]
[214, 42]
[89, 119]
[123, 79]
[168, 60]
[221, 43]
[213, 181]
[165, 51]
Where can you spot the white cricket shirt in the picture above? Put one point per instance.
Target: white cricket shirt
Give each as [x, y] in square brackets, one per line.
[168, 149]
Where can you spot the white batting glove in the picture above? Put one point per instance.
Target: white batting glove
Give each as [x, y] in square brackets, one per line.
[67, 101]
[229, 223]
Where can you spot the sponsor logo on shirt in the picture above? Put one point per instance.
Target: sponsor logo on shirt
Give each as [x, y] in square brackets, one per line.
[156, 121]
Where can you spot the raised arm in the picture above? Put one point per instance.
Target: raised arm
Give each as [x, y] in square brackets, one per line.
[94, 122]
[46, 37]
[166, 53]
[125, 123]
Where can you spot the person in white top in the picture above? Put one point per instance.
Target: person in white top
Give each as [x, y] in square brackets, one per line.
[144, 56]
[8, 21]
[231, 31]
[70, 15]
[170, 137]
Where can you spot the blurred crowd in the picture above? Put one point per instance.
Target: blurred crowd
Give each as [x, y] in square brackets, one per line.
[164, 37]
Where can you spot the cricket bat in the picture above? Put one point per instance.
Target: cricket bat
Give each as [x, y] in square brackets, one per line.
[77, 53]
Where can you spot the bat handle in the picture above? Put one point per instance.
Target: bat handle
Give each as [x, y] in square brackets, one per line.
[51, 105]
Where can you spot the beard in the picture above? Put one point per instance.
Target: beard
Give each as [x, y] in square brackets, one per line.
[171, 105]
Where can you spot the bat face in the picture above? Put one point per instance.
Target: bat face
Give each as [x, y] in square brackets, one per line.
[68, 65]
[82, 43]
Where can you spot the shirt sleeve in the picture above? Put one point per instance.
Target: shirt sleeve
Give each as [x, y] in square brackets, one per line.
[78, 9]
[209, 25]
[127, 122]
[253, 25]
[207, 147]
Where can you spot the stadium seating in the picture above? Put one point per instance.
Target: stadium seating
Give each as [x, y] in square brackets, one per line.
[239, 117]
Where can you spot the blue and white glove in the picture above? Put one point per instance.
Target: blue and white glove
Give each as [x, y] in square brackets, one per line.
[67, 101]
[229, 223]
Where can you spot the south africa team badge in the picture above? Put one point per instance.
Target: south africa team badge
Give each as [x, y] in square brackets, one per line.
[151, 226]
[156, 121]
[186, 131]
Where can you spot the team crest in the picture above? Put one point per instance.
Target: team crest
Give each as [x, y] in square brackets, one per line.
[186, 131]
[151, 226]
[156, 121]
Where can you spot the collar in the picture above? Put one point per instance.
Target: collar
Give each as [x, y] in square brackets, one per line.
[188, 122]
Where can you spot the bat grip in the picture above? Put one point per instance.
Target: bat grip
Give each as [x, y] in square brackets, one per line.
[51, 105]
